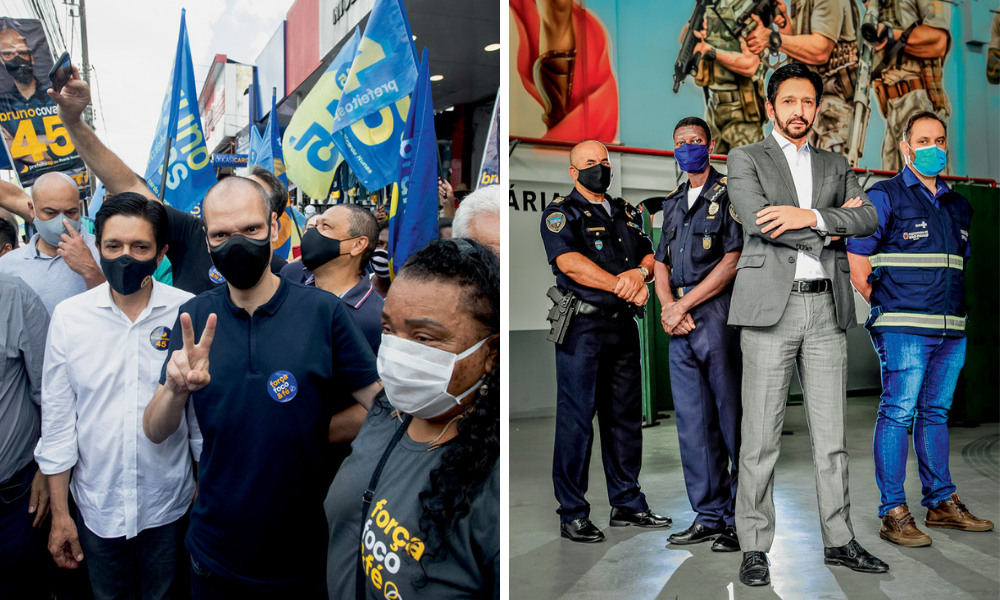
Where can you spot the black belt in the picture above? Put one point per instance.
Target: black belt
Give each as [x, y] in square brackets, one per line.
[586, 308]
[814, 286]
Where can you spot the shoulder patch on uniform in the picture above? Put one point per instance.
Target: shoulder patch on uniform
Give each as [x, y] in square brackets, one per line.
[723, 181]
[555, 222]
[557, 199]
[732, 213]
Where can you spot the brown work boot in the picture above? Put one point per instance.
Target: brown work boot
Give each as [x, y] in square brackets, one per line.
[952, 514]
[553, 75]
[898, 527]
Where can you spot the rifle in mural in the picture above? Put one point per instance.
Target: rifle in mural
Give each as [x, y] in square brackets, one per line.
[687, 59]
[862, 108]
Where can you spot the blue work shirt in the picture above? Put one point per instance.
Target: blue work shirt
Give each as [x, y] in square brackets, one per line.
[615, 243]
[278, 376]
[883, 206]
[695, 240]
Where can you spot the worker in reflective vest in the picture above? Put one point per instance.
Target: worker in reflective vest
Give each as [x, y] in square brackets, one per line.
[911, 273]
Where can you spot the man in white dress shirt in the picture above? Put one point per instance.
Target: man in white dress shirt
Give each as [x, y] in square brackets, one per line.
[793, 300]
[102, 364]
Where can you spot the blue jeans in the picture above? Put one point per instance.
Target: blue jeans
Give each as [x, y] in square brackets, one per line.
[919, 374]
[147, 566]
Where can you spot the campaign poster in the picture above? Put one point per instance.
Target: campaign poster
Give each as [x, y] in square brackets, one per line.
[33, 132]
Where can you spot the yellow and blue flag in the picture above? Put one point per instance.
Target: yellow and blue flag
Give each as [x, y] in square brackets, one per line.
[310, 155]
[369, 116]
[413, 213]
[188, 166]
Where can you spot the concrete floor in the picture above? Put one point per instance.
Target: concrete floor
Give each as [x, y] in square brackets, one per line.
[636, 563]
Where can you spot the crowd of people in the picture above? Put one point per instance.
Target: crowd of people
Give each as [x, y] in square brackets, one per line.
[753, 273]
[261, 428]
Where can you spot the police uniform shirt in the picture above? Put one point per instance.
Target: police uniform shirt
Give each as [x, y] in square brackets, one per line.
[615, 242]
[264, 418]
[695, 240]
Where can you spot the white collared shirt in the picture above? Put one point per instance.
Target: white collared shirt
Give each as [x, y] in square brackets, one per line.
[807, 267]
[100, 372]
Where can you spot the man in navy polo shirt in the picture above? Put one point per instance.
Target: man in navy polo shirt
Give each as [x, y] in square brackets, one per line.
[257, 526]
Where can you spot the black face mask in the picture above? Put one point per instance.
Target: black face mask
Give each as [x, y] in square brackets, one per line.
[317, 249]
[21, 70]
[596, 178]
[241, 260]
[127, 275]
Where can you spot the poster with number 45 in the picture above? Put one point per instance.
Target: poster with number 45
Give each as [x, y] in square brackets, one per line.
[34, 135]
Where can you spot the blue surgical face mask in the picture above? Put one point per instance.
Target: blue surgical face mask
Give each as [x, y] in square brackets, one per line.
[929, 160]
[692, 158]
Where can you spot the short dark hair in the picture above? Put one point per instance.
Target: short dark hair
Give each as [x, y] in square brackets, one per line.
[277, 193]
[444, 223]
[793, 71]
[917, 116]
[382, 226]
[695, 122]
[8, 233]
[130, 204]
[362, 223]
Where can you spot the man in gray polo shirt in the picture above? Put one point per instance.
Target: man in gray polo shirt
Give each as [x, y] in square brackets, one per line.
[23, 489]
[58, 261]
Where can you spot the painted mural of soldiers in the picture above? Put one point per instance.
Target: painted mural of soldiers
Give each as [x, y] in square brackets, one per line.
[909, 80]
[821, 35]
[993, 54]
[733, 79]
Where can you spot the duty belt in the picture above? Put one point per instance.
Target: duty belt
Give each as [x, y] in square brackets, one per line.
[815, 286]
[586, 308]
[679, 292]
[727, 96]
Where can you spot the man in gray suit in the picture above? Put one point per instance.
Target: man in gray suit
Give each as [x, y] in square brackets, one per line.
[793, 300]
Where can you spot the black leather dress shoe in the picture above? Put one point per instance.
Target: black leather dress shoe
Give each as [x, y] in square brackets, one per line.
[855, 558]
[753, 569]
[581, 530]
[695, 534]
[727, 542]
[623, 517]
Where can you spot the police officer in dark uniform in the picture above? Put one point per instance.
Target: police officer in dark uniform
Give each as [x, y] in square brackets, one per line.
[695, 268]
[599, 253]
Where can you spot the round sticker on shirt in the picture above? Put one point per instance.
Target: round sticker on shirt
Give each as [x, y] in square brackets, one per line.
[215, 276]
[282, 386]
[160, 337]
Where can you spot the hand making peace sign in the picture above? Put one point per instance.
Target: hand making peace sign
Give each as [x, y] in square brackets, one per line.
[187, 370]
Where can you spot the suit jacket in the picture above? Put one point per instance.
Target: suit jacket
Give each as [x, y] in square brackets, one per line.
[759, 176]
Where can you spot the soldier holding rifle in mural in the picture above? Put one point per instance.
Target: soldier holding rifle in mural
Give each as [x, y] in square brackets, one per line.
[821, 35]
[731, 75]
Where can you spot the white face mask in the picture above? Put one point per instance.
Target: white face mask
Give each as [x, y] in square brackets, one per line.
[416, 376]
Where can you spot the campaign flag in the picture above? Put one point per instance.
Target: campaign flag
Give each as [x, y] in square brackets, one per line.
[32, 130]
[368, 118]
[189, 171]
[265, 150]
[489, 170]
[310, 155]
[413, 212]
[97, 201]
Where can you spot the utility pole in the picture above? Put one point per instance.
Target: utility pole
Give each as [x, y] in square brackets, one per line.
[88, 113]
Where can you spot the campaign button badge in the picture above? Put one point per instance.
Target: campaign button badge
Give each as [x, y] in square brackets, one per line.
[160, 337]
[281, 385]
[215, 276]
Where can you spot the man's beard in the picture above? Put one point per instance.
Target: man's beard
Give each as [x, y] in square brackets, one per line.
[783, 127]
[21, 70]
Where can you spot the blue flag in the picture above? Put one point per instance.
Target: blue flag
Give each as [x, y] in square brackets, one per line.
[489, 170]
[413, 214]
[265, 150]
[368, 117]
[189, 171]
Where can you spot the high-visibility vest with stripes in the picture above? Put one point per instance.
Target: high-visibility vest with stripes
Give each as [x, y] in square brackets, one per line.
[918, 282]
